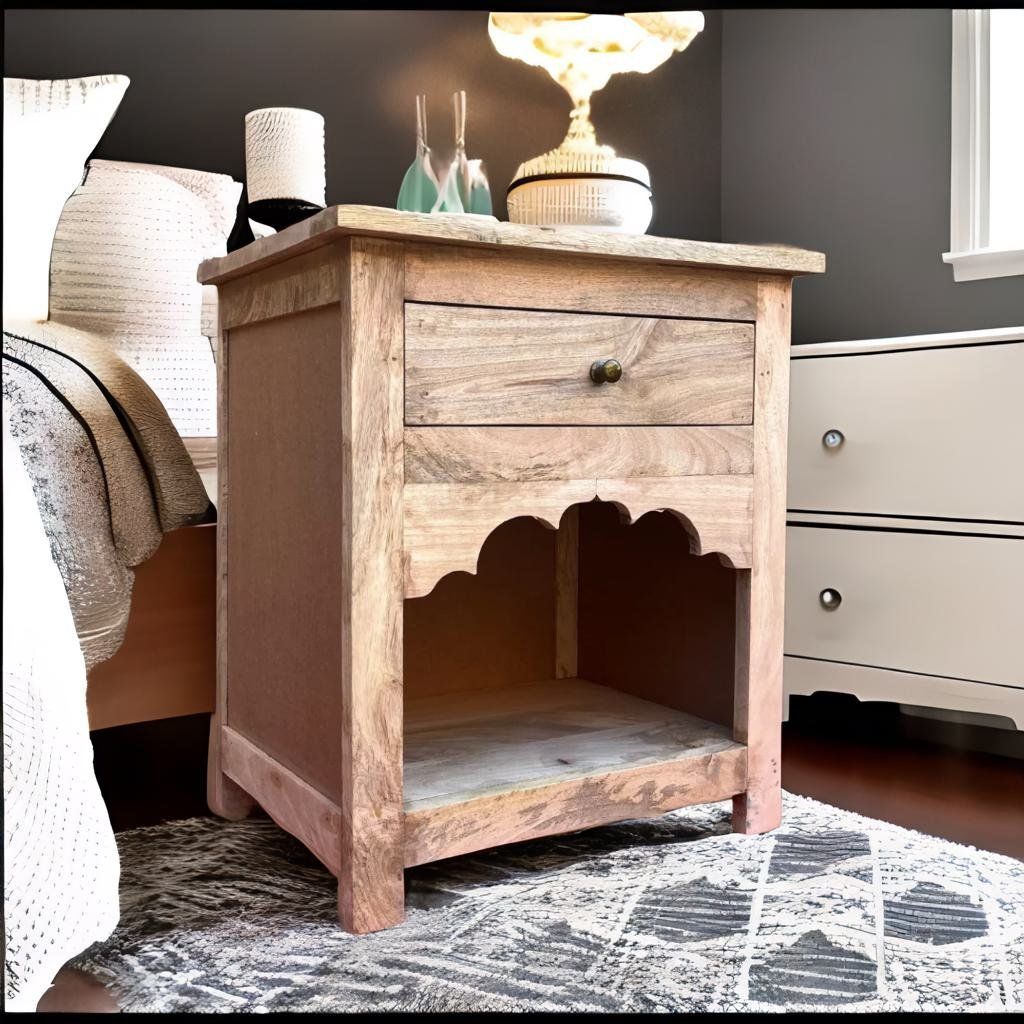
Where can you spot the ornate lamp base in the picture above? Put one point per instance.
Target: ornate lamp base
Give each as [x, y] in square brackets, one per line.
[581, 184]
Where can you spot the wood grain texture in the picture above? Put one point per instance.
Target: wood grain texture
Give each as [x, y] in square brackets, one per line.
[293, 803]
[472, 455]
[518, 279]
[167, 664]
[478, 366]
[470, 744]
[224, 797]
[446, 524]
[343, 514]
[567, 594]
[599, 799]
[338, 221]
[760, 594]
[301, 282]
[371, 892]
[485, 768]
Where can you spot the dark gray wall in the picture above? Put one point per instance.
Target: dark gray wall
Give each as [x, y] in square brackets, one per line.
[828, 129]
[196, 73]
[835, 136]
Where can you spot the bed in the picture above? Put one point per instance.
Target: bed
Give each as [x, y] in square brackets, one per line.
[108, 365]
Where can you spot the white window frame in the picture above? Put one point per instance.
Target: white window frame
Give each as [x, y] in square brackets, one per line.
[969, 253]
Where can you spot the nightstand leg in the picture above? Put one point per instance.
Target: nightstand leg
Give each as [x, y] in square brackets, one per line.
[371, 882]
[760, 591]
[223, 796]
[757, 721]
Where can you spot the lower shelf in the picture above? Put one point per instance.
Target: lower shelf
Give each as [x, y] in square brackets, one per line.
[492, 767]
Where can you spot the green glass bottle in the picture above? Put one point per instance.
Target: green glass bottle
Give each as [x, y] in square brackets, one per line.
[419, 191]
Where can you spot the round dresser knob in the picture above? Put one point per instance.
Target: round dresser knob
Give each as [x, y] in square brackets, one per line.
[605, 371]
[830, 599]
[833, 438]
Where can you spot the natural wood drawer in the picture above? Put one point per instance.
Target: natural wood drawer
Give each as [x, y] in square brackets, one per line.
[476, 366]
[935, 604]
[935, 433]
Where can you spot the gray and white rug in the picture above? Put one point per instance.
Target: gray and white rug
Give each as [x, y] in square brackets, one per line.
[832, 911]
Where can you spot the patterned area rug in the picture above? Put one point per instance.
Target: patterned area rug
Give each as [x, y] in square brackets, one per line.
[832, 911]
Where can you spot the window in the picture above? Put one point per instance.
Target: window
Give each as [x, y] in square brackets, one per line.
[987, 170]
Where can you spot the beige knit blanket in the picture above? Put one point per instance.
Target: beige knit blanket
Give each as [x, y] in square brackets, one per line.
[109, 471]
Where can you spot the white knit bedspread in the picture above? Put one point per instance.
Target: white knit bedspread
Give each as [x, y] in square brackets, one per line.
[61, 868]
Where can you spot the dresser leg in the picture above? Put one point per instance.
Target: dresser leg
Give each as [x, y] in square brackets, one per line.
[224, 797]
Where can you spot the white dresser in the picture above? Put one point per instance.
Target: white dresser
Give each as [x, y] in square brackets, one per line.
[905, 538]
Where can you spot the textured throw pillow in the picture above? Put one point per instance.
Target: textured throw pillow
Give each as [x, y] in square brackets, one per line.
[123, 267]
[50, 128]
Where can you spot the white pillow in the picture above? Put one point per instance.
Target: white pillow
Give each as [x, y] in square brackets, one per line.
[50, 128]
[124, 262]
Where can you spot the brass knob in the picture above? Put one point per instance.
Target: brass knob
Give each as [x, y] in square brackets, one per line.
[830, 599]
[833, 438]
[605, 371]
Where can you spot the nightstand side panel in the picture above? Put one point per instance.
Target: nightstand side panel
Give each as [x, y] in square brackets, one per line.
[282, 624]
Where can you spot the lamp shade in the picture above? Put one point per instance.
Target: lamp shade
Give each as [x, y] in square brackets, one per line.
[582, 51]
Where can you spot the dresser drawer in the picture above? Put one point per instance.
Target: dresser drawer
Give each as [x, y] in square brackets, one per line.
[934, 433]
[475, 366]
[935, 604]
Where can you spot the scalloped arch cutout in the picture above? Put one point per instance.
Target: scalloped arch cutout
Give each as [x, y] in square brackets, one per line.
[446, 526]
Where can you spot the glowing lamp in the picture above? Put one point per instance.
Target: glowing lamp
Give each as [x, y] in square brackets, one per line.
[583, 183]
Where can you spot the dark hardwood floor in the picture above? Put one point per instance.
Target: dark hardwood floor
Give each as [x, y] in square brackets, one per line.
[920, 774]
[866, 758]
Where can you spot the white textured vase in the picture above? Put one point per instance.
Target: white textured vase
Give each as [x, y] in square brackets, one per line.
[284, 155]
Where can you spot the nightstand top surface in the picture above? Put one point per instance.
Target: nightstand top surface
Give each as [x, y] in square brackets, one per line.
[375, 221]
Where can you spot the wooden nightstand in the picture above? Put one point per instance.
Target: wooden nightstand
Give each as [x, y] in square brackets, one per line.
[394, 387]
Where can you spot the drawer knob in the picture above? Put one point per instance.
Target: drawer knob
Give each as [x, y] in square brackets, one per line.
[833, 438]
[830, 599]
[605, 371]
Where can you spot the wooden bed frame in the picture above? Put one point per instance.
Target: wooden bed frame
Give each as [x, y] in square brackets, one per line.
[167, 665]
